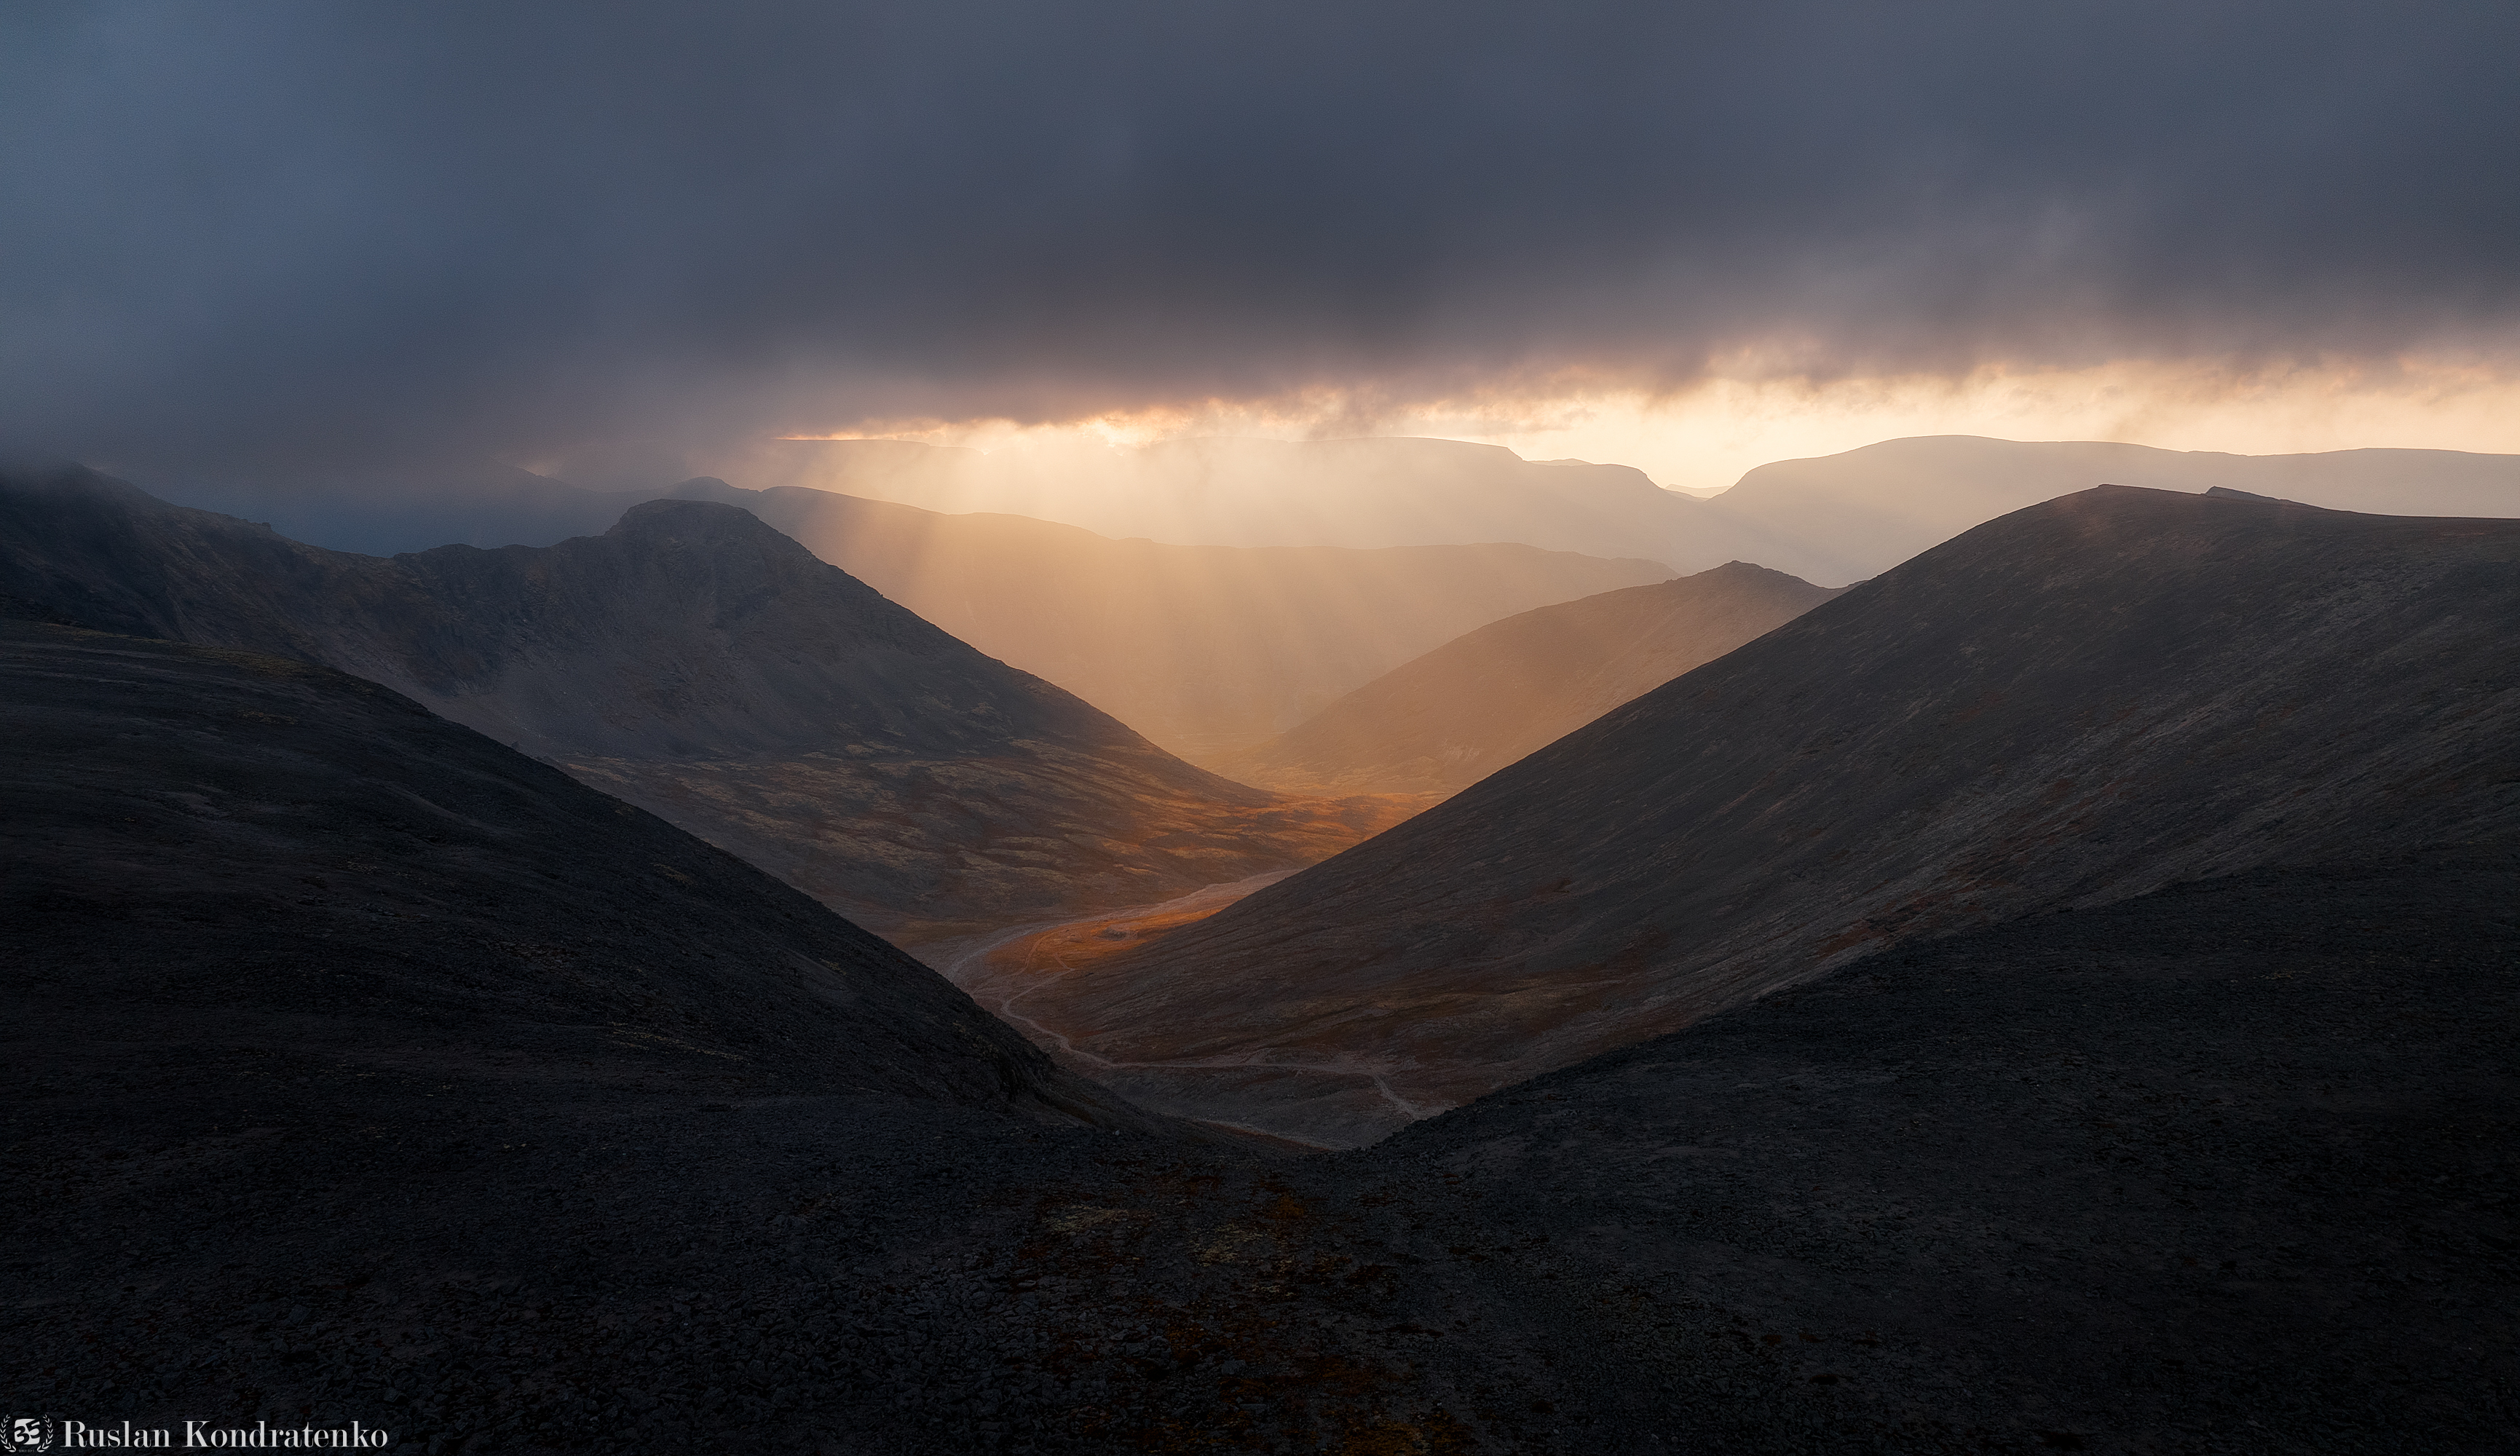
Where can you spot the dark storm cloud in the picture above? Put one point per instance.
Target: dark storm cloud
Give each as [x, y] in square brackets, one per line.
[329, 227]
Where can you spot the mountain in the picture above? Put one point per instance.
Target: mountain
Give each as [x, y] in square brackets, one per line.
[1842, 517]
[2079, 702]
[220, 857]
[702, 665]
[2234, 1156]
[364, 1070]
[1203, 649]
[1832, 518]
[1443, 721]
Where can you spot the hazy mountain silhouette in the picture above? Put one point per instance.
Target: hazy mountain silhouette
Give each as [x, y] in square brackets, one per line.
[1830, 519]
[700, 664]
[1203, 649]
[1362, 493]
[385, 511]
[1842, 517]
[2085, 700]
[1447, 720]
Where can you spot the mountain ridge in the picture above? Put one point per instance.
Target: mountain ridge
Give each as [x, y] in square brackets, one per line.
[2079, 702]
[705, 666]
[1445, 719]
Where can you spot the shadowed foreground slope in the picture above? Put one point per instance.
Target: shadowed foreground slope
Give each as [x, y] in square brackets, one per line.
[363, 1070]
[1443, 721]
[233, 862]
[2083, 702]
[702, 665]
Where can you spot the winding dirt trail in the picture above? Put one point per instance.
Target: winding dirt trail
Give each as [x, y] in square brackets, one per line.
[1048, 956]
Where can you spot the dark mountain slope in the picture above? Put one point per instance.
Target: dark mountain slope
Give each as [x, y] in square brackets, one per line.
[224, 856]
[700, 664]
[1442, 721]
[2235, 1166]
[364, 1071]
[2082, 701]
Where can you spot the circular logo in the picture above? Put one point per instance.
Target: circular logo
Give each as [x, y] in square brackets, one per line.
[29, 1434]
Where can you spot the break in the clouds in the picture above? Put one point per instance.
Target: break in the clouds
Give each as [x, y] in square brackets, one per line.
[261, 231]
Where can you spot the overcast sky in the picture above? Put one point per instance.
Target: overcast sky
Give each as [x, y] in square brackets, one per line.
[332, 231]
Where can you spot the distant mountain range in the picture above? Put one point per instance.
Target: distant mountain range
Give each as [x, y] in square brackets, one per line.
[2082, 701]
[1444, 721]
[1832, 519]
[1363, 493]
[702, 665]
[1843, 517]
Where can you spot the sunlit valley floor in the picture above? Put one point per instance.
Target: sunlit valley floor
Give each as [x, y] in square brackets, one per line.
[2058, 994]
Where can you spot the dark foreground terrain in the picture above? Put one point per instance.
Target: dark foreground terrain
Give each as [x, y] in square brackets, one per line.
[361, 1070]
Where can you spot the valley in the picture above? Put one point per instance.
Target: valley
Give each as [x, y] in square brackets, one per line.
[710, 669]
[2013, 1004]
[1900, 762]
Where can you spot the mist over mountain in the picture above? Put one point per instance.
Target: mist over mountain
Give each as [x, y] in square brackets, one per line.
[2085, 700]
[385, 512]
[1832, 519]
[1442, 721]
[1204, 649]
[1377, 492]
[699, 663]
[1842, 517]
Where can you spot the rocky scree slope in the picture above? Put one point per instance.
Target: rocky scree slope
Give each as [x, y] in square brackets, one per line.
[2086, 700]
[1443, 721]
[699, 663]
